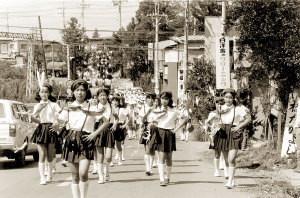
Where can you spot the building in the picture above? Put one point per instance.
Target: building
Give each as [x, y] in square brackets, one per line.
[171, 60]
[12, 48]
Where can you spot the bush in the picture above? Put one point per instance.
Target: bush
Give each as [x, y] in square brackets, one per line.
[262, 158]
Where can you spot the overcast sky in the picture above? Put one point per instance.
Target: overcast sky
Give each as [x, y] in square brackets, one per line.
[100, 14]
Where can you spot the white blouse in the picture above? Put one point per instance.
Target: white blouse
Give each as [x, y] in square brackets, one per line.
[76, 118]
[122, 115]
[107, 111]
[145, 108]
[240, 114]
[168, 121]
[49, 113]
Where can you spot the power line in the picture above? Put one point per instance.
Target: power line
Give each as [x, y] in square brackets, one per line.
[126, 32]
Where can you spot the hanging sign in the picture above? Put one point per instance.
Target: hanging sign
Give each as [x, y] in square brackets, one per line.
[289, 137]
[222, 63]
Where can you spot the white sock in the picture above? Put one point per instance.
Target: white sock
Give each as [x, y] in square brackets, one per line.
[95, 165]
[169, 169]
[147, 162]
[54, 163]
[222, 162]
[225, 171]
[51, 164]
[217, 163]
[100, 169]
[42, 170]
[231, 175]
[161, 172]
[75, 190]
[152, 158]
[83, 186]
[107, 166]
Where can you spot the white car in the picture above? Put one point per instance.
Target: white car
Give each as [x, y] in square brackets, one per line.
[16, 132]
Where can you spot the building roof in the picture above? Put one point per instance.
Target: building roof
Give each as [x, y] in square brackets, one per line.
[190, 38]
[163, 44]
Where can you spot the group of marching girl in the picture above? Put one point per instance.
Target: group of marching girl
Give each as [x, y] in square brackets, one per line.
[227, 124]
[91, 130]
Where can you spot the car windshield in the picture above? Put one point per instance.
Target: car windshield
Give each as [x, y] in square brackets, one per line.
[2, 111]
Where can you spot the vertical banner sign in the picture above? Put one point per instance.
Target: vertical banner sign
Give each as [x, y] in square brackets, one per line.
[289, 137]
[222, 63]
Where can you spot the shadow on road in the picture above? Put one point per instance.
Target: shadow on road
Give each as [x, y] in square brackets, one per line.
[135, 180]
[196, 182]
[184, 172]
[247, 185]
[10, 164]
[248, 177]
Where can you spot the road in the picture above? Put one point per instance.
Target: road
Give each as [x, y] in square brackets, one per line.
[192, 177]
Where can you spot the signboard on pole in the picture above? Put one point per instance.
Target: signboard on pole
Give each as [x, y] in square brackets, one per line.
[222, 63]
[289, 137]
[150, 51]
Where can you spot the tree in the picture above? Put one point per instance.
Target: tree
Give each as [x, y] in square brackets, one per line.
[269, 34]
[95, 34]
[201, 80]
[75, 36]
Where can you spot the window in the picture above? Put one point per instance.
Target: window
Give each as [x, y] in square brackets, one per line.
[15, 111]
[2, 111]
[23, 46]
[3, 48]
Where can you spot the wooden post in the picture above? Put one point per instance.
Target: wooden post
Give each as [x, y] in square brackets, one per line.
[279, 138]
[269, 132]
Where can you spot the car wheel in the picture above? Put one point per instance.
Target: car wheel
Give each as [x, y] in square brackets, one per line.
[20, 158]
[35, 156]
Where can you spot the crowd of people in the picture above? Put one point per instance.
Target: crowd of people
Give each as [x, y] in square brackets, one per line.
[92, 126]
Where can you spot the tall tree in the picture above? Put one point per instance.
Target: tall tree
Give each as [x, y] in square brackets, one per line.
[95, 34]
[269, 34]
[74, 35]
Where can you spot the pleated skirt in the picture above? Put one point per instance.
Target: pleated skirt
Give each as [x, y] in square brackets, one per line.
[76, 149]
[165, 140]
[224, 141]
[43, 135]
[106, 138]
[120, 134]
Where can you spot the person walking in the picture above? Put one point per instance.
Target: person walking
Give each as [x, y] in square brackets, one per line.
[228, 138]
[105, 141]
[79, 145]
[165, 130]
[45, 114]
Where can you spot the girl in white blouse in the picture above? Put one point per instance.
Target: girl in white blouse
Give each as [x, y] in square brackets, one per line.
[105, 141]
[119, 119]
[78, 150]
[45, 113]
[166, 128]
[225, 141]
[147, 137]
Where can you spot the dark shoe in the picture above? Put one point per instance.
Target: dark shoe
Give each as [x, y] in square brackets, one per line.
[148, 173]
[163, 183]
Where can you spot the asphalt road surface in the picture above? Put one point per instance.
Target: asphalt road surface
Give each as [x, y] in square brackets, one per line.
[192, 176]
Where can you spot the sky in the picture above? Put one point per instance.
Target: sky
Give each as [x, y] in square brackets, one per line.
[100, 14]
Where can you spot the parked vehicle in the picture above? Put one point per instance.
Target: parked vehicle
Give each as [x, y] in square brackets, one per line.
[16, 132]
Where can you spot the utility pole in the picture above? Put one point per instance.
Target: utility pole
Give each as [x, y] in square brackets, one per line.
[83, 7]
[185, 50]
[223, 16]
[68, 62]
[43, 51]
[7, 21]
[53, 74]
[157, 17]
[63, 14]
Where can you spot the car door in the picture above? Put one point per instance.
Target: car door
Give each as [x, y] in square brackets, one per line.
[27, 128]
